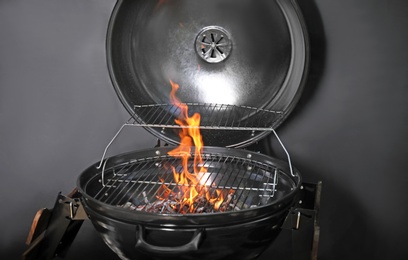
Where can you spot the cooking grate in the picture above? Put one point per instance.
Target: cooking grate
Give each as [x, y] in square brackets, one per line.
[137, 183]
[213, 116]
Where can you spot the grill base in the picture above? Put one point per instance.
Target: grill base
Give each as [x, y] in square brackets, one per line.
[121, 236]
[242, 241]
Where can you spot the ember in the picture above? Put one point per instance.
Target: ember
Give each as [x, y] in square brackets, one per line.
[173, 206]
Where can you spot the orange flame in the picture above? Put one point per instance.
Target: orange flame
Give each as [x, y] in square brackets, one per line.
[190, 187]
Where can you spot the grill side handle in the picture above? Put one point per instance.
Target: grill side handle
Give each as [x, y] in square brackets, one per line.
[189, 247]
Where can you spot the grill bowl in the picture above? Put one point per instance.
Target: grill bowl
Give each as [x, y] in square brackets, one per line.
[243, 233]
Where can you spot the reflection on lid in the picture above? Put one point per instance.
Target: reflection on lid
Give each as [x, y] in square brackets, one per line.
[216, 88]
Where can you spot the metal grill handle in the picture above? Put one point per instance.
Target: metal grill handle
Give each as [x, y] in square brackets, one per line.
[189, 247]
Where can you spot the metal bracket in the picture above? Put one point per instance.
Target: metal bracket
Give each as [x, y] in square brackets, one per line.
[53, 231]
[76, 209]
[303, 221]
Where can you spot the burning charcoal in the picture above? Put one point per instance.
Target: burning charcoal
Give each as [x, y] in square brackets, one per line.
[200, 210]
[128, 205]
[169, 209]
[140, 207]
[175, 203]
[145, 197]
[156, 207]
[229, 198]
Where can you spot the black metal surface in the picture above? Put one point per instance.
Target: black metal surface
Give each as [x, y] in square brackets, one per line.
[242, 241]
[152, 42]
[251, 229]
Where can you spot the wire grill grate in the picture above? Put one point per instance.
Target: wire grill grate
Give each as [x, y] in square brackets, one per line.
[139, 181]
[213, 116]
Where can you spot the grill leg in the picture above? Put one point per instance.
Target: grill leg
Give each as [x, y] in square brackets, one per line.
[53, 231]
[303, 221]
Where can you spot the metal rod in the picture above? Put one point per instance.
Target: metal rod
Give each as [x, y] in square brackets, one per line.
[238, 198]
[136, 169]
[152, 114]
[213, 120]
[113, 196]
[213, 182]
[192, 185]
[286, 151]
[109, 144]
[103, 173]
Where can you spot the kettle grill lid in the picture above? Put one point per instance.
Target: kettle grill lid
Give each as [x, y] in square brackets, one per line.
[240, 64]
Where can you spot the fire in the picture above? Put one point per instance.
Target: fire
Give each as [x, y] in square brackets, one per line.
[192, 187]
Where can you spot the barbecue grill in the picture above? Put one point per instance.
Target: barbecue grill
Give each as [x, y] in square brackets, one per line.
[242, 198]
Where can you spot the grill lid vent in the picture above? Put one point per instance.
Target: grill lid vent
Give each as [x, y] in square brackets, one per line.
[213, 44]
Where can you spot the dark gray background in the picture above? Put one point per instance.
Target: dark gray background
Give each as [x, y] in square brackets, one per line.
[58, 110]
